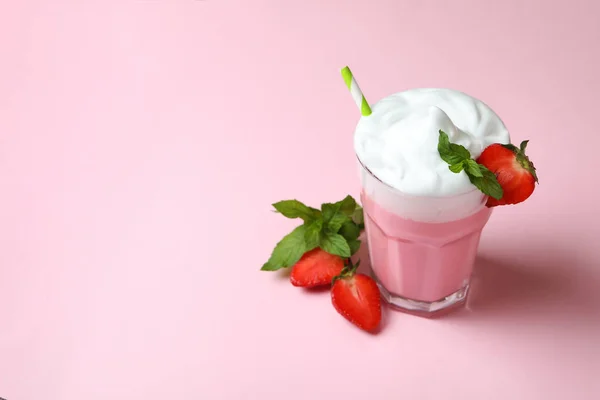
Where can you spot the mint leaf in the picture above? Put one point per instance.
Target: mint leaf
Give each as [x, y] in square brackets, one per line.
[334, 243]
[450, 152]
[329, 210]
[443, 143]
[350, 231]
[459, 158]
[472, 168]
[460, 151]
[295, 209]
[336, 222]
[347, 206]
[354, 246]
[358, 217]
[487, 183]
[312, 235]
[333, 216]
[288, 251]
[456, 168]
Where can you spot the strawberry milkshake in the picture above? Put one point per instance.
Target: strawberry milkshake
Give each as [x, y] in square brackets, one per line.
[423, 219]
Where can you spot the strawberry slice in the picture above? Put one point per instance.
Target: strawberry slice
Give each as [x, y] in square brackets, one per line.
[316, 268]
[356, 297]
[513, 169]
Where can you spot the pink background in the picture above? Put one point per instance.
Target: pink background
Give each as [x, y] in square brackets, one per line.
[142, 143]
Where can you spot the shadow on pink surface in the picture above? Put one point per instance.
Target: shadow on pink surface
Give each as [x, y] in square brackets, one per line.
[552, 283]
[552, 286]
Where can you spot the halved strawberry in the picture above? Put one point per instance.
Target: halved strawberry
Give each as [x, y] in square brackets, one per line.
[513, 169]
[316, 267]
[357, 298]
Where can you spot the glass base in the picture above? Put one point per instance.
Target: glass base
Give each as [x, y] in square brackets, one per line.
[424, 308]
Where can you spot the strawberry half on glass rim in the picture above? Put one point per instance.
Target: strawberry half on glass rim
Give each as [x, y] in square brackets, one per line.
[514, 171]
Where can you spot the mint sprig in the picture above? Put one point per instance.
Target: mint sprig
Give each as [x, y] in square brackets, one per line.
[335, 228]
[459, 159]
[295, 209]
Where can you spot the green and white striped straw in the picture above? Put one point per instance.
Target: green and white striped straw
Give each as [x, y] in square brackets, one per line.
[355, 91]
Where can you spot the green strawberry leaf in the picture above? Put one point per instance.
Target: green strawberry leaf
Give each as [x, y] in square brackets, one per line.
[350, 231]
[296, 209]
[288, 251]
[511, 147]
[312, 234]
[334, 243]
[354, 246]
[522, 157]
[472, 168]
[487, 183]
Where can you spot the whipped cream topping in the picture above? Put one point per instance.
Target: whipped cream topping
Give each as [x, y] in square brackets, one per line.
[398, 141]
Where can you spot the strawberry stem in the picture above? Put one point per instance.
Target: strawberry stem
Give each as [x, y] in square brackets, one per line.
[524, 145]
[522, 158]
[525, 161]
[348, 271]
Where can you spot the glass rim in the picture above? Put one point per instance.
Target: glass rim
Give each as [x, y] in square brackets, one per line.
[470, 192]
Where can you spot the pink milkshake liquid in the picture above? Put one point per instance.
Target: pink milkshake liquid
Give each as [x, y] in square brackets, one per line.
[422, 267]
